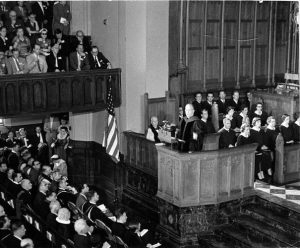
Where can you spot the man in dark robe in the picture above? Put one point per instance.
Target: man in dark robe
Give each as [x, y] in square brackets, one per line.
[198, 104]
[227, 137]
[206, 126]
[189, 136]
[235, 102]
[208, 103]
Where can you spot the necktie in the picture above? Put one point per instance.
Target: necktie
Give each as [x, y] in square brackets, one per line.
[38, 63]
[18, 65]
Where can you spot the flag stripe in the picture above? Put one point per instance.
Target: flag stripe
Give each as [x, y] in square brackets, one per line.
[110, 139]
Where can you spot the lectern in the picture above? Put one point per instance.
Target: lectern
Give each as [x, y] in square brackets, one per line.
[193, 188]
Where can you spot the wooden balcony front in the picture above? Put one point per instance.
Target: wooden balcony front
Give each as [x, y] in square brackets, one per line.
[28, 94]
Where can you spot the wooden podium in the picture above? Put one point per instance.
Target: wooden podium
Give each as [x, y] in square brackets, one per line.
[193, 188]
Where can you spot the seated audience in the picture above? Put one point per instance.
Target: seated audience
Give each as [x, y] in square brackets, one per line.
[152, 133]
[97, 60]
[79, 60]
[198, 105]
[206, 127]
[66, 193]
[62, 41]
[271, 133]
[4, 227]
[91, 209]
[81, 198]
[262, 157]
[21, 43]
[232, 117]
[55, 61]
[260, 113]
[63, 225]
[18, 232]
[62, 17]
[208, 103]
[44, 42]
[235, 101]
[80, 39]
[227, 135]
[16, 64]
[244, 137]
[36, 62]
[32, 28]
[13, 186]
[296, 127]
[119, 228]
[189, 131]
[3, 69]
[40, 205]
[27, 243]
[59, 165]
[4, 42]
[12, 24]
[51, 217]
[242, 118]
[286, 130]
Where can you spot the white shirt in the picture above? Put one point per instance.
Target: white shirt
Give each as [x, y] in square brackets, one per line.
[79, 60]
[41, 137]
[41, 6]
[96, 57]
[51, 122]
[17, 64]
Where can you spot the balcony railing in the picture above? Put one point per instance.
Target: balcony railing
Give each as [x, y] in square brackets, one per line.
[23, 95]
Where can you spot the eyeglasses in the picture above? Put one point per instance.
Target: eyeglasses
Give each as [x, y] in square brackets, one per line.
[44, 33]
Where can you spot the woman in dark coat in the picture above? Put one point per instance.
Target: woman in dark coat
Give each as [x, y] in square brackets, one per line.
[244, 137]
[260, 114]
[286, 130]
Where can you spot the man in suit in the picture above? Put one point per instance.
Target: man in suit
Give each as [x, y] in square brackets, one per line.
[65, 193]
[36, 62]
[13, 186]
[198, 104]
[51, 125]
[40, 10]
[97, 60]
[222, 103]
[51, 218]
[32, 172]
[235, 102]
[55, 61]
[40, 147]
[16, 64]
[228, 136]
[3, 172]
[18, 232]
[63, 41]
[82, 40]
[40, 205]
[79, 60]
[81, 198]
[12, 25]
[208, 103]
[62, 17]
[13, 157]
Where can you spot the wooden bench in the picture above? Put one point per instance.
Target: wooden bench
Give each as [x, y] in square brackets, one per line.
[287, 162]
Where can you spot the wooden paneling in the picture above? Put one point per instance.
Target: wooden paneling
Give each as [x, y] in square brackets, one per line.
[242, 46]
[58, 92]
[208, 177]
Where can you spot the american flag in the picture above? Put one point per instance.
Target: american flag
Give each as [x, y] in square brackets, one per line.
[110, 138]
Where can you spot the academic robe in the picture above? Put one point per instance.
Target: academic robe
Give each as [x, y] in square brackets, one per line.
[296, 132]
[187, 127]
[227, 137]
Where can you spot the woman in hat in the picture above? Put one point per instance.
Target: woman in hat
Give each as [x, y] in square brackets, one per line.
[44, 42]
[61, 144]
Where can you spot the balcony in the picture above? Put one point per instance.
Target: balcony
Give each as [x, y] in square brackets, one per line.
[29, 94]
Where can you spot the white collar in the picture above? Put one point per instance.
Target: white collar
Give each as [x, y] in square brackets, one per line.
[62, 221]
[17, 237]
[256, 129]
[83, 195]
[204, 120]
[297, 123]
[244, 135]
[258, 113]
[285, 125]
[226, 129]
[271, 128]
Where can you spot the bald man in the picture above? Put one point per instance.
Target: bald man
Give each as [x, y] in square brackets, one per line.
[190, 131]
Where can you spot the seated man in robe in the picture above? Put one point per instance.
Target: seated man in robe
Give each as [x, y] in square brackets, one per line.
[206, 126]
[227, 137]
[189, 131]
[152, 133]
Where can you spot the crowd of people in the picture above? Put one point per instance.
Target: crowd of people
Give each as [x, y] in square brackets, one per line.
[239, 124]
[34, 38]
[34, 174]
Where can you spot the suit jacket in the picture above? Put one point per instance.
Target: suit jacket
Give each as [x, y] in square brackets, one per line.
[25, 196]
[64, 45]
[236, 106]
[4, 233]
[12, 66]
[4, 45]
[74, 62]
[86, 43]
[61, 62]
[13, 161]
[81, 241]
[35, 140]
[33, 66]
[102, 61]
[222, 106]
[40, 205]
[65, 196]
[80, 201]
[61, 11]
[12, 241]
[40, 15]
[13, 188]
[51, 221]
